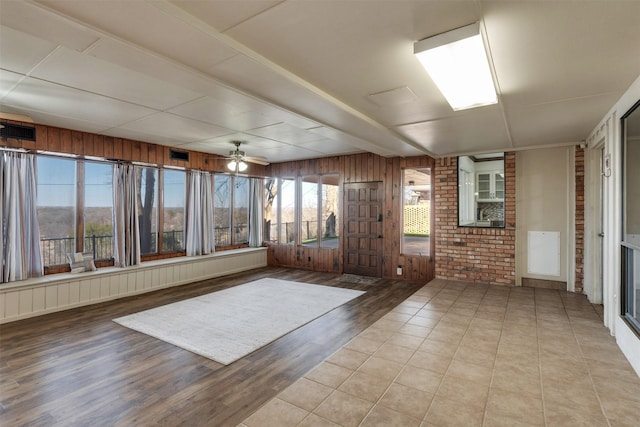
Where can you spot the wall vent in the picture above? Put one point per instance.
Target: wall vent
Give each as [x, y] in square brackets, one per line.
[183, 156]
[13, 131]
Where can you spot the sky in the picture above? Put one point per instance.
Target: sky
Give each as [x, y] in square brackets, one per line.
[56, 179]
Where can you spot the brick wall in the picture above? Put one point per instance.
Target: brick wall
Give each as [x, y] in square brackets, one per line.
[579, 164]
[482, 255]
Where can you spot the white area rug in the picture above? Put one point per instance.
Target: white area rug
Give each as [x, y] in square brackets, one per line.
[229, 324]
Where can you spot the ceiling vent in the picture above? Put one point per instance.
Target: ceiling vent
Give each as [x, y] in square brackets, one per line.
[10, 130]
[179, 155]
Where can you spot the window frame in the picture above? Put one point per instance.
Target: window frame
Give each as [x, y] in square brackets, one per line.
[401, 228]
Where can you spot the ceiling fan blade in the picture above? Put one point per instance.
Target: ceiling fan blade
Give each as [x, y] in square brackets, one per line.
[16, 117]
[257, 160]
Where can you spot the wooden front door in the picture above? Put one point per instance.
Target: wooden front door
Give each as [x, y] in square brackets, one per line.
[363, 228]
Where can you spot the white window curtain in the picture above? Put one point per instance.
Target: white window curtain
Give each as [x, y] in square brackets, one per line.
[255, 212]
[20, 253]
[126, 235]
[200, 239]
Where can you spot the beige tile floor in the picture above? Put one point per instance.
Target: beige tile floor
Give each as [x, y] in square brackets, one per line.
[456, 354]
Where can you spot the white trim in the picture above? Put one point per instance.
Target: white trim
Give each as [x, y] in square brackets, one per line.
[609, 130]
[629, 343]
[571, 220]
[592, 283]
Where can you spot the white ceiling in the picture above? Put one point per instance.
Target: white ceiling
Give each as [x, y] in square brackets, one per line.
[300, 79]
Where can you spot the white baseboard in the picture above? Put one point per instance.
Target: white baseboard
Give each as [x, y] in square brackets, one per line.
[629, 343]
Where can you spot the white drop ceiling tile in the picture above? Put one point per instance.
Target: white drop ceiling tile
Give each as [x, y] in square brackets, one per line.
[275, 155]
[286, 133]
[38, 95]
[176, 127]
[48, 119]
[216, 112]
[481, 129]
[249, 142]
[331, 147]
[295, 120]
[29, 18]
[547, 51]
[393, 97]
[149, 26]
[569, 121]
[249, 120]
[145, 62]
[225, 14]
[20, 52]
[247, 74]
[141, 136]
[91, 74]
[7, 81]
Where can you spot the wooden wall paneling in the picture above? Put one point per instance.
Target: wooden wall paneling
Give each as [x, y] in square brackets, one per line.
[66, 143]
[98, 145]
[53, 137]
[42, 138]
[87, 144]
[396, 203]
[77, 143]
[195, 161]
[412, 265]
[387, 259]
[127, 151]
[136, 151]
[396, 214]
[152, 153]
[108, 147]
[118, 149]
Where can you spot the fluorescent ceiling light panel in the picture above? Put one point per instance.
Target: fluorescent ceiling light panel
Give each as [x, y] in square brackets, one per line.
[457, 63]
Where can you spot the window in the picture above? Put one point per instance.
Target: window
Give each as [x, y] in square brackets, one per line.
[56, 192]
[240, 216]
[631, 218]
[329, 210]
[287, 210]
[75, 209]
[309, 211]
[222, 210]
[481, 190]
[174, 189]
[416, 215]
[270, 228]
[98, 210]
[147, 200]
[231, 210]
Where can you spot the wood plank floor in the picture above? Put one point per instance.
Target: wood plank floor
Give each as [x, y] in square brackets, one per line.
[78, 367]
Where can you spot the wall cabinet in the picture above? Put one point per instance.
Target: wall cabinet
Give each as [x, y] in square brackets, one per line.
[490, 186]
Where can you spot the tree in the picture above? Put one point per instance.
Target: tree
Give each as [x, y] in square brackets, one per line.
[271, 188]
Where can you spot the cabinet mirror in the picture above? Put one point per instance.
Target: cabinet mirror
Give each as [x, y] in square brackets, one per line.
[481, 190]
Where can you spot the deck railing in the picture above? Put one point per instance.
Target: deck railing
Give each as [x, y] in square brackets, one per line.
[55, 250]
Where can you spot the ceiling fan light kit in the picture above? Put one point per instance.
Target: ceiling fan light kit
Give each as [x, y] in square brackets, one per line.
[238, 166]
[237, 163]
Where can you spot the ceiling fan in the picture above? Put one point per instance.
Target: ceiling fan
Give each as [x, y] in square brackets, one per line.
[238, 159]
